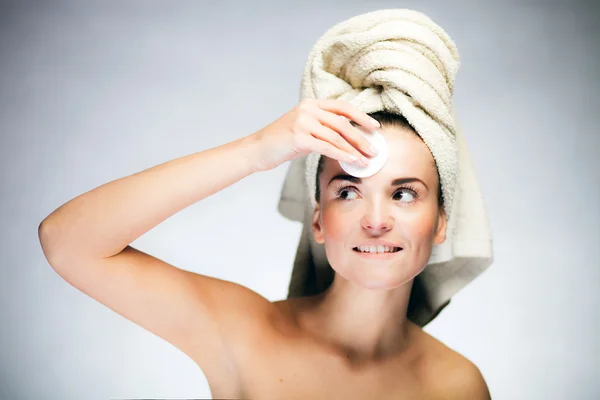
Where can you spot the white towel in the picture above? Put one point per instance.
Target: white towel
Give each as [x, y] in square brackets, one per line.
[399, 61]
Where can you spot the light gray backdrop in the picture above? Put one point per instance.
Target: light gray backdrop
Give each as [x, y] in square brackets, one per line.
[94, 91]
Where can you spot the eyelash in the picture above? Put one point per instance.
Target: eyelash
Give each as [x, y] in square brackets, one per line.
[410, 188]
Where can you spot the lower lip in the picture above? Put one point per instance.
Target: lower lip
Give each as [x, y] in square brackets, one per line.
[378, 255]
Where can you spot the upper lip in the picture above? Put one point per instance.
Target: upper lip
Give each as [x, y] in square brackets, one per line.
[378, 243]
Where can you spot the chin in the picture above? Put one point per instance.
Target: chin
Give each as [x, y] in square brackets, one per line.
[386, 278]
[376, 272]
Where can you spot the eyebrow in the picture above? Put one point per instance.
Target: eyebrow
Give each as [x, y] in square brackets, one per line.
[358, 181]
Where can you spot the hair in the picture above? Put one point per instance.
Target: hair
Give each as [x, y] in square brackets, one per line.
[385, 119]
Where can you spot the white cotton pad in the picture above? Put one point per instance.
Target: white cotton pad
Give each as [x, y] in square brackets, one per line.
[375, 163]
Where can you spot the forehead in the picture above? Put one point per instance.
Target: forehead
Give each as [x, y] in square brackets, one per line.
[408, 155]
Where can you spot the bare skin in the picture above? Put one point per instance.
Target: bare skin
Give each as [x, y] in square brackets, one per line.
[288, 358]
[353, 341]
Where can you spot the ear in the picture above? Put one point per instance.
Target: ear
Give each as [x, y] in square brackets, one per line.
[317, 227]
[442, 224]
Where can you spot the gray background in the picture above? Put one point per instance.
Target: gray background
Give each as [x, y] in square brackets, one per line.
[91, 92]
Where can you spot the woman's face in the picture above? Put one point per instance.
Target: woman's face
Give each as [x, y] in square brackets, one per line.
[352, 212]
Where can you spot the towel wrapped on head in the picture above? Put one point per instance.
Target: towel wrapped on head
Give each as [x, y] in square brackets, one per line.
[401, 62]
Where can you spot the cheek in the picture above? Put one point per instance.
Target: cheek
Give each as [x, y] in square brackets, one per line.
[420, 227]
[335, 224]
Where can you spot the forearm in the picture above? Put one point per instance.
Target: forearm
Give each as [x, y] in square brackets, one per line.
[105, 220]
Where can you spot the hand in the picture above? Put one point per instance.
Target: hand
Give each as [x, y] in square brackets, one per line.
[315, 125]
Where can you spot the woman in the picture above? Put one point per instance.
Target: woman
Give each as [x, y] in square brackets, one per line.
[352, 340]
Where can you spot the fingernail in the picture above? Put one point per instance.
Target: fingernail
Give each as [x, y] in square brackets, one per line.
[375, 123]
[352, 158]
[373, 150]
[364, 160]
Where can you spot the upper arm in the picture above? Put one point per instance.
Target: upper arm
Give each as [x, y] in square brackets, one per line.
[198, 314]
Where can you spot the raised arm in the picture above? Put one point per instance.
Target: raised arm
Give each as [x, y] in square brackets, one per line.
[87, 240]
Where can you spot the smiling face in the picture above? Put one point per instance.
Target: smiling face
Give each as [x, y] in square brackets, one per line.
[398, 205]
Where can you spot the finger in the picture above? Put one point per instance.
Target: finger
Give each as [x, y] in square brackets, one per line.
[334, 138]
[343, 127]
[327, 149]
[342, 107]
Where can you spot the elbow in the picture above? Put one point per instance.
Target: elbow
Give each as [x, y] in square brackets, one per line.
[44, 237]
[47, 236]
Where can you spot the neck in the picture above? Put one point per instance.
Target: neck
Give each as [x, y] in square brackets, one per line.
[365, 324]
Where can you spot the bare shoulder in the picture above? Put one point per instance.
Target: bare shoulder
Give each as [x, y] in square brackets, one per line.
[463, 380]
[451, 375]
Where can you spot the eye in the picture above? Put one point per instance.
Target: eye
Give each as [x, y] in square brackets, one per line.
[341, 191]
[408, 195]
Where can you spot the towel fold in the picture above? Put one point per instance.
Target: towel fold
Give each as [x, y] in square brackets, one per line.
[401, 62]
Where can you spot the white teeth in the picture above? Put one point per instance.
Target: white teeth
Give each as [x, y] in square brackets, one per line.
[377, 249]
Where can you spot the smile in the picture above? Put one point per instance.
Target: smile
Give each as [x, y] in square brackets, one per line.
[376, 250]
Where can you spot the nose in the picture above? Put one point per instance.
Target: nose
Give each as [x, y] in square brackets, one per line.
[377, 218]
